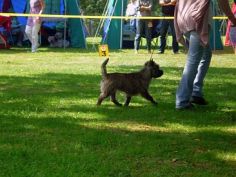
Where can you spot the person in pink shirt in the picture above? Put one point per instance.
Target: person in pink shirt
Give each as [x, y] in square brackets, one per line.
[34, 23]
[193, 20]
[230, 36]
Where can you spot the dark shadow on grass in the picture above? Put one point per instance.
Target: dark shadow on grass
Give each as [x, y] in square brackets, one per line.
[58, 146]
[46, 91]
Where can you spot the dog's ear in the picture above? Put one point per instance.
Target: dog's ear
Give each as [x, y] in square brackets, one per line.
[151, 62]
[147, 63]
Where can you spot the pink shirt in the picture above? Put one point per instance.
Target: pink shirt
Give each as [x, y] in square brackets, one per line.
[227, 40]
[35, 8]
[192, 15]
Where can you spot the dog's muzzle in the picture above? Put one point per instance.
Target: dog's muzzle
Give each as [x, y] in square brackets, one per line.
[158, 73]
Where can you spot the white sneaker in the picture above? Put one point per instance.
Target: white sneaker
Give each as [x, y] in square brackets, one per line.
[34, 49]
[38, 45]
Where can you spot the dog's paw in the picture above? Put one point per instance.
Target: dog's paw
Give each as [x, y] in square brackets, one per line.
[119, 105]
[154, 103]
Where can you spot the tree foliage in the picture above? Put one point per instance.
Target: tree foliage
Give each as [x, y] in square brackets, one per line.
[92, 7]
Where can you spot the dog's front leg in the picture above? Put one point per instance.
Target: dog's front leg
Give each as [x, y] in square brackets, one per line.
[128, 98]
[114, 100]
[146, 95]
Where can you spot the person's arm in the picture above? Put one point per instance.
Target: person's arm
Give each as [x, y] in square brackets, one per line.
[224, 5]
[41, 10]
[42, 6]
[167, 2]
[146, 8]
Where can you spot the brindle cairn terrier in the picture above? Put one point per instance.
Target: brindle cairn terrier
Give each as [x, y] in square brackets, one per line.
[130, 83]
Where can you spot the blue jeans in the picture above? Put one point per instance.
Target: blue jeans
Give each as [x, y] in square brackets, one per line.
[198, 61]
[165, 24]
[142, 26]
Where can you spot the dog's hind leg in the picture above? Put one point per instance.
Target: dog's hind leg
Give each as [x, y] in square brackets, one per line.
[101, 98]
[146, 95]
[128, 98]
[114, 100]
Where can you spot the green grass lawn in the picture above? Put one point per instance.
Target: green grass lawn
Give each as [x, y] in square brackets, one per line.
[50, 124]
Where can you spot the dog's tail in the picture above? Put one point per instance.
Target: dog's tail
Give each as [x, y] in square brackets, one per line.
[104, 69]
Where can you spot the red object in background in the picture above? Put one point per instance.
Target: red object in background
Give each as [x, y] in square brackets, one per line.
[5, 23]
[227, 39]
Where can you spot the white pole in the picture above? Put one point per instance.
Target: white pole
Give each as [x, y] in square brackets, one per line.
[214, 26]
[65, 24]
[121, 24]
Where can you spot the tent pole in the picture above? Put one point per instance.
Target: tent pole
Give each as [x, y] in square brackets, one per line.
[121, 24]
[214, 23]
[65, 24]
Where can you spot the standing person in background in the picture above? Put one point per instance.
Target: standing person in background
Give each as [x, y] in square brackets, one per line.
[229, 41]
[168, 9]
[144, 9]
[192, 19]
[131, 11]
[34, 23]
[233, 37]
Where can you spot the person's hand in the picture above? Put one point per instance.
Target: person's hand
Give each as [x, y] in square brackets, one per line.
[141, 8]
[36, 19]
[233, 23]
[167, 1]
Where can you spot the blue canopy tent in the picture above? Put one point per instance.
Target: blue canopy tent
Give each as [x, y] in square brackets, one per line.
[70, 7]
[20, 7]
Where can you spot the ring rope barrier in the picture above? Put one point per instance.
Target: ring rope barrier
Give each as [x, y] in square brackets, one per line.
[94, 17]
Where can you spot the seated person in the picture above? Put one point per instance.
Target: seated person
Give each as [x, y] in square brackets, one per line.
[17, 30]
[58, 41]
